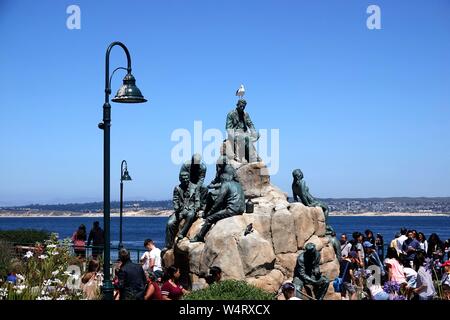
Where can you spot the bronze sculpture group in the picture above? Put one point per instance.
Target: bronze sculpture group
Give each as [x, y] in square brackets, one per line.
[224, 197]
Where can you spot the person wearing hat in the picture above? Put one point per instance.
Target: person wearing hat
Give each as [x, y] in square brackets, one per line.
[445, 281]
[372, 258]
[307, 272]
[288, 290]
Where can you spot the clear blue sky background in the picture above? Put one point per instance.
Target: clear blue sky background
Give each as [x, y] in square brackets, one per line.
[362, 112]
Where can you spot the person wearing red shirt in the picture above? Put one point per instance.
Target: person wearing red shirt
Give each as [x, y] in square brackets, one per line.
[171, 290]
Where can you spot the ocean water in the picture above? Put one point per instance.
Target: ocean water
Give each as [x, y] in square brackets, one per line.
[137, 229]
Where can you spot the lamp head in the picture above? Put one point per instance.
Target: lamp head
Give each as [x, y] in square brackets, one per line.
[126, 176]
[128, 92]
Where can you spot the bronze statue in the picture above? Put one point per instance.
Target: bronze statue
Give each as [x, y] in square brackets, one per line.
[331, 234]
[242, 133]
[301, 191]
[230, 202]
[197, 172]
[307, 272]
[222, 166]
[186, 204]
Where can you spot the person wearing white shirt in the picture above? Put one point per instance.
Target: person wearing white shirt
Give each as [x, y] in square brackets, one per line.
[422, 241]
[151, 259]
[345, 245]
[401, 239]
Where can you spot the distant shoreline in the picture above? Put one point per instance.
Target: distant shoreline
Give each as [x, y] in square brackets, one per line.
[166, 213]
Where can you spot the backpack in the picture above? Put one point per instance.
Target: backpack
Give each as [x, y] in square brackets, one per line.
[338, 283]
[78, 244]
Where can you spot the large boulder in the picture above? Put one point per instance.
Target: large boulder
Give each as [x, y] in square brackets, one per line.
[254, 177]
[265, 257]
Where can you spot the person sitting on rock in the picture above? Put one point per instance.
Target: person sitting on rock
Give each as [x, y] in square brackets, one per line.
[242, 133]
[230, 202]
[186, 204]
[197, 172]
[307, 272]
[222, 166]
[301, 193]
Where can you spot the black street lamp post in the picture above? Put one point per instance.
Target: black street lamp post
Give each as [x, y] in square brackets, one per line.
[128, 93]
[124, 176]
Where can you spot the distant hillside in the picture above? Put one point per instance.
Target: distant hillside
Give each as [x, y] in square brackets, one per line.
[94, 206]
[350, 205]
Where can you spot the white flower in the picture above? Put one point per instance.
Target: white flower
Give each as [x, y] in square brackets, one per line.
[20, 277]
[20, 287]
[57, 281]
[54, 253]
[28, 255]
[3, 292]
[44, 298]
[50, 246]
[54, 273]
[47, 283]
[75, 276]
[63, 297]
[43, 256]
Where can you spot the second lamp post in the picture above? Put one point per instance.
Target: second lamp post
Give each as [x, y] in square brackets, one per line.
[124, 176]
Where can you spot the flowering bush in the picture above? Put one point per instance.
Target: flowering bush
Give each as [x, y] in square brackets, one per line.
[394, 290]
[363, 274]
[44, 274]
[391, 287]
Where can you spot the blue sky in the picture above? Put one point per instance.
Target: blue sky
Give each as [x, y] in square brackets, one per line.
[364, 113]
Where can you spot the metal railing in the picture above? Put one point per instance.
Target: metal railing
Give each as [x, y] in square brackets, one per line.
[135, 253]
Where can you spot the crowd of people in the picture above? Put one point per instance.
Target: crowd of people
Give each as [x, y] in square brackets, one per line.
[140, 281]
[411, 268]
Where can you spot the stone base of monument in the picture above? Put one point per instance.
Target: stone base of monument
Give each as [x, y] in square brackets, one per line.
[265, 257]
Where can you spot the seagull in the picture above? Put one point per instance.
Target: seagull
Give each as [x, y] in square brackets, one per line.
[240, 92]
[249, 229]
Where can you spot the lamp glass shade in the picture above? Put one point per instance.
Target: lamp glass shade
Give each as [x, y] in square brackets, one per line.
[128, 92]
[126, 176]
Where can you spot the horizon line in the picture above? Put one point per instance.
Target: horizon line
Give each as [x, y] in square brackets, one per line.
[142, 200]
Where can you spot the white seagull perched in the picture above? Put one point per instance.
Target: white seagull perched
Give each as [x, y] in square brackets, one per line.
[240, 92]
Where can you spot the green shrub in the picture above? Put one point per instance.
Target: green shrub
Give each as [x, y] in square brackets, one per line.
[6, 255]
[230, 290]
[24, 236]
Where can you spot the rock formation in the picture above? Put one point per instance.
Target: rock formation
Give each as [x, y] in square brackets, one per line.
[265, 257]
